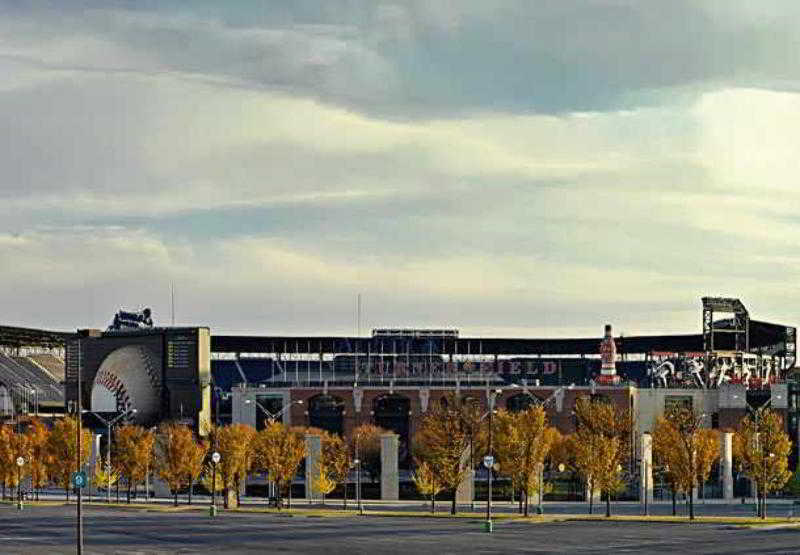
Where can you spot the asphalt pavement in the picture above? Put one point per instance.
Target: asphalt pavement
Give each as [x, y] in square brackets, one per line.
[52, 530]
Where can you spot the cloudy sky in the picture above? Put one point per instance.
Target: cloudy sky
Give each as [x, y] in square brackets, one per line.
[532, 167]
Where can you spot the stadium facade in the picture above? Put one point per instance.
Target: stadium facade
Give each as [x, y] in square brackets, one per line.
[392, 376]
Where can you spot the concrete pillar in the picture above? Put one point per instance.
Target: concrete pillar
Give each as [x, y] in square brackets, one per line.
[596, 495]
[390, 479]
[534, 497]
[95, 458]
[646, 469]
[314, 452]
[465, 492]
[726, 456]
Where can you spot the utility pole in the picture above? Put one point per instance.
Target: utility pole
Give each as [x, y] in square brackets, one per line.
[79, 428]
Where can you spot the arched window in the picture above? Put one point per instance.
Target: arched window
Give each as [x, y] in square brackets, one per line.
[521, 402]
[326, 412]
[391, 412]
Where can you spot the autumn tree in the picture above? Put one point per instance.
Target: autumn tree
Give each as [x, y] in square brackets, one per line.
[237, 449]
[14, 445]
[173, 446]
[687, 449]
[427, 482]
[664, 442]
[62, 449]
[195, 464]
[368, 437]
[37, 435]
[523, 441]
[762, 448]
[133, 447]
[280, 450]
[7, 456]
[601, 444]
[443, 438]
[335, 458]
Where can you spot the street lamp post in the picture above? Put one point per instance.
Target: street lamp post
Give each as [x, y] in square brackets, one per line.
[491, 398]
[109, 424]
[272, 417]
[20, 464]
[215, 458]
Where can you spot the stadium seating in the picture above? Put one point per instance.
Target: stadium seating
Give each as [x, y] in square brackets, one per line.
[23, 373]
[51, 363]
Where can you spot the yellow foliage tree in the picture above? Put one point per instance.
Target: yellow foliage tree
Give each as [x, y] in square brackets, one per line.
[62, 449]
[280, 450]
[134, 450]
[368, 437]
[762, 448]
[427, 482]
[335, 457]
[195, 464]
[522, 445]
[173, 446]
[235, 444]
[37, 435]
[103, 478]
[322, 479]
[443, 438]
[601, 444]
[686, 449]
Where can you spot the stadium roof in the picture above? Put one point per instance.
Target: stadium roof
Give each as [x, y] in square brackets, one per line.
[763, 335]
[29, 337]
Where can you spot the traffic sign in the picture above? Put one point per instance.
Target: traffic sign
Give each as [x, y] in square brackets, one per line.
[488, 461]
[79, 479]
[20, 461]
[215, 457]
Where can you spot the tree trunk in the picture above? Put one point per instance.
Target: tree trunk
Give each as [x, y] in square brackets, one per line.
[525, 493]
[117, 491]
[591, 496]
[323, 498]
[674, 502]
[4, 489]
[433, 503]
[764, 504]
[129, 492]
[345, 494]
[225, 497]
[175, 498]
[289, 506]
[191, 487]
[238, 488]
[608, 504]
[691, 503]
[453, 505]
[67, 490]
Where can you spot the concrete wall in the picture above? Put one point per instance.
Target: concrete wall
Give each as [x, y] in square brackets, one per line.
[646, 469]
[650, 404]
[390, 478]
[243, 412]
[314, 452]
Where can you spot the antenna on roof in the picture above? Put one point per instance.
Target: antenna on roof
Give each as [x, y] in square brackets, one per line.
[358, 315]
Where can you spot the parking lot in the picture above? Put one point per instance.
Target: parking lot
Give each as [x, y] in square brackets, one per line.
[52, 530]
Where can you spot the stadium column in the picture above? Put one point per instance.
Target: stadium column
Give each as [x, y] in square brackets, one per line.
[390, 480]
[646, 470]
[466, 489]
[314, 450]
[726, 456]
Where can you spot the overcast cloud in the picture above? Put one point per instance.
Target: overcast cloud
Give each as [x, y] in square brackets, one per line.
[533, 168]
